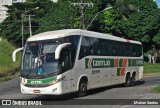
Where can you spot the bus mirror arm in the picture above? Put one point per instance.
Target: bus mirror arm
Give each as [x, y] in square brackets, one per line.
[59, 48]
[14, 54]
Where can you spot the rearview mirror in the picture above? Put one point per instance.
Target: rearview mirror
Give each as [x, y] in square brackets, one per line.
[15, 52]
[59, 48]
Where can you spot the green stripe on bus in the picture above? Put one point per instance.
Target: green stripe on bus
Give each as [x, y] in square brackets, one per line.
[46, 80]
[106, 63]
[129, 62]
[118, 71]
[121, 63]
[137, 62]
[86, 63]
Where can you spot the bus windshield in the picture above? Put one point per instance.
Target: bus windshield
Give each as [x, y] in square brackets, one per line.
[39, 59]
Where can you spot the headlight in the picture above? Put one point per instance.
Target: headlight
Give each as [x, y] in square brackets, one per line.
[56, 81]
[23, 81]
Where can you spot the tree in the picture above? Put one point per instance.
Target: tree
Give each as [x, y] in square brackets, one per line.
[134, 19]
[11, 27]
[130, 19]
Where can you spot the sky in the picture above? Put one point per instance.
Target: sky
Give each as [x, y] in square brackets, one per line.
[158, 3]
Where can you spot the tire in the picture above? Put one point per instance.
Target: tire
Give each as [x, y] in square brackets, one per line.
[133, 80]
[82, 91]
[128, 81]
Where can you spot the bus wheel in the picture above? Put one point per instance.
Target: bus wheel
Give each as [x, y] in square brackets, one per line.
[128, 81]
[133, 80]
[82, 88]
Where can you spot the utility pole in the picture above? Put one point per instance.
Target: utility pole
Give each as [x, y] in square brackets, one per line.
[22, 31]
[82, 7]
[30, 25]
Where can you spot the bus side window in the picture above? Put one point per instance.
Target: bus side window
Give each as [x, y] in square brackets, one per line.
[91, 51]
[121, 49]
[115, 49]
[101, 47]
[110, 48]
[128, 50]
[75, 42]
[106, 47]
[92, 46]
[134, 52]
[84, 50]
[138, 50]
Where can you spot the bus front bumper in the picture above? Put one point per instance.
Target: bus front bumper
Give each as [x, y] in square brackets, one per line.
[51, 90]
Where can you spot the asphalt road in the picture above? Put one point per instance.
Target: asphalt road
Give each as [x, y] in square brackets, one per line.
[142, 90]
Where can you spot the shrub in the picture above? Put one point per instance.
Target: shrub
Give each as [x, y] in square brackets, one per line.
[6, 63]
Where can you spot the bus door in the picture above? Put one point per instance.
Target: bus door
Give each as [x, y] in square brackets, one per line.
[67, 70]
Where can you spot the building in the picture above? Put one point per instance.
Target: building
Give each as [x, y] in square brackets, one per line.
[3, 9]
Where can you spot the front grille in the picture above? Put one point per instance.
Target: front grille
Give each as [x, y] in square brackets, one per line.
[36, 85]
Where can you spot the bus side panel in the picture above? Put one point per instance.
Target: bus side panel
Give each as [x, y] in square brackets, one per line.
[115, 76]
[97, 77]
[79, 73]
[140, 72]
[106, 76]
[67, 83]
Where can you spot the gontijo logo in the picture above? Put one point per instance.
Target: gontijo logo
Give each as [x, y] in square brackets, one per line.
[98, 63]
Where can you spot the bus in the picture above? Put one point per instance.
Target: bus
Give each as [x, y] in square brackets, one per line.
[75, 60]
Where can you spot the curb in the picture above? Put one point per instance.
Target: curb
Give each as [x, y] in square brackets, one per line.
[151, 75]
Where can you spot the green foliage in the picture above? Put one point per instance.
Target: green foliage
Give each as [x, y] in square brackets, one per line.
[134, 19]
[156, 38]
[11, 27]
[59, 17]
[131, 19]
[6, 64]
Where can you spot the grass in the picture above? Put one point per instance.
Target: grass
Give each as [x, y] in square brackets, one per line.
[151, 68]
[8, 69]
[10, 76]
[157, 89]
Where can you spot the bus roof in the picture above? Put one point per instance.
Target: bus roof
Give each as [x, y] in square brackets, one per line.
[67, 32]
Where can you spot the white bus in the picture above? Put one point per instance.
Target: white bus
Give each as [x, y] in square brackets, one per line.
[75, 60]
